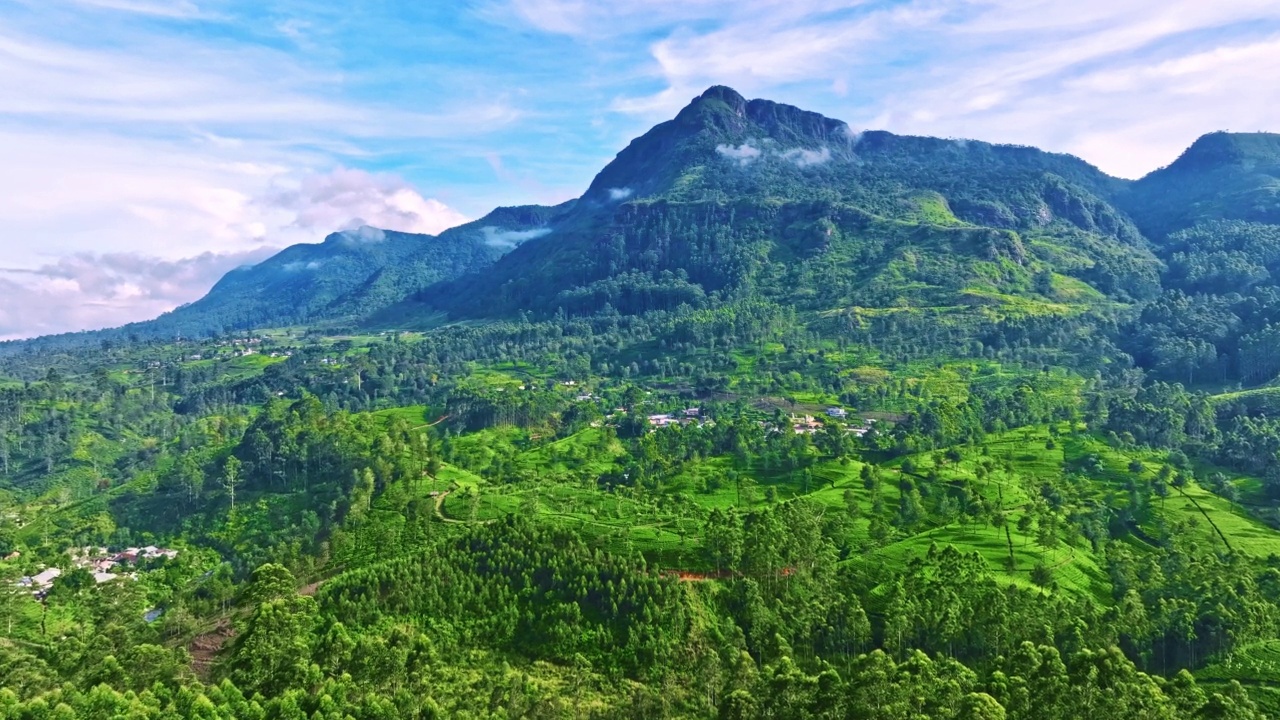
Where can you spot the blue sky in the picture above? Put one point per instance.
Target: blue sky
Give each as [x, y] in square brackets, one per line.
[150, 145]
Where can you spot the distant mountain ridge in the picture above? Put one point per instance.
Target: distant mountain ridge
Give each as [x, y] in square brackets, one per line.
[346, 277]
[1222, 176]
[357, 272]
[737, 198]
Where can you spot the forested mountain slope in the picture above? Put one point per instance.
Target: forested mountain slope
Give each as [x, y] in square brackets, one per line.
[347, 277]
[352, 274]
[778, 421]
[1222, 176]
[1214, 219]
[737, 197]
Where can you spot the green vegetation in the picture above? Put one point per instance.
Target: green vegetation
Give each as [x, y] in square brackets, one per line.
[861, 427]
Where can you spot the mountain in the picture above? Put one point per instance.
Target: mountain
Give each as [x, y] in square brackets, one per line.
[353, 273]
[1214, 218]
[347, 277]
[1222, 176]
[735, 197]
[343, 276]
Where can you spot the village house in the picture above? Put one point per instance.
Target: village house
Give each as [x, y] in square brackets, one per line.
[806, 425]
[42, 581]
[837, 412]
[151, 552]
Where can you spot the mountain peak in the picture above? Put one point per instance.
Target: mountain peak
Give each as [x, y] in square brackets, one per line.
[1222, 176]
[721, 108]
[724, 94]
[711, 127]
[362, 235]
[1226, 149]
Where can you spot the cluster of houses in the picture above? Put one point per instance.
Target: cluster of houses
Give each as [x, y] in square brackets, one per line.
[571, 384]
[237, 348]
[805, 425]
[240, 343]
[808, 424]
[243, 347]
[686, 417]
[99, 562]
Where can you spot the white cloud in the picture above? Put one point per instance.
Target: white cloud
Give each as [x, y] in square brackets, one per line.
[617, 194]
[502, 238]
[167, 201]
[743, 154]
[595, 20]
[1128, 116]
[773, 44]
[806, 158]
[165, 81]
[748, 152]
[88, 291]
[158, 8]
[300, 266]
[364, 234]
[346, 199]
[852, 137]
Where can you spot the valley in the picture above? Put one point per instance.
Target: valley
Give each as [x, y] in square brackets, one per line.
[776, 420]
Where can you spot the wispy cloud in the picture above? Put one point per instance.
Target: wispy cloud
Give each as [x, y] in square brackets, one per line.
[157, 8]
[167, 83]
[743, 154]
[803, 157]
[750, 151]
[503, 238]
[120, 135]
[346, 199]
[87, 291]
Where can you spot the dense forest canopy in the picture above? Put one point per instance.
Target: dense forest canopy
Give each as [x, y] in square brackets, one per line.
[778, 420]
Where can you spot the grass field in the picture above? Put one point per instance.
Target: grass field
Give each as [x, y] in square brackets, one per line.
[414, 415]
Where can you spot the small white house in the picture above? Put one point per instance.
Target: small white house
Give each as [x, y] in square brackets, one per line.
[45, 578]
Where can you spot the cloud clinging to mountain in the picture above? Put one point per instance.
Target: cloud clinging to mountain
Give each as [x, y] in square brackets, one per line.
[346, 199]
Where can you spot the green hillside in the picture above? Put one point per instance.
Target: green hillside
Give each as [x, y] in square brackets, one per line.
[776, 421]
[735, 197]
[1222, 176]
